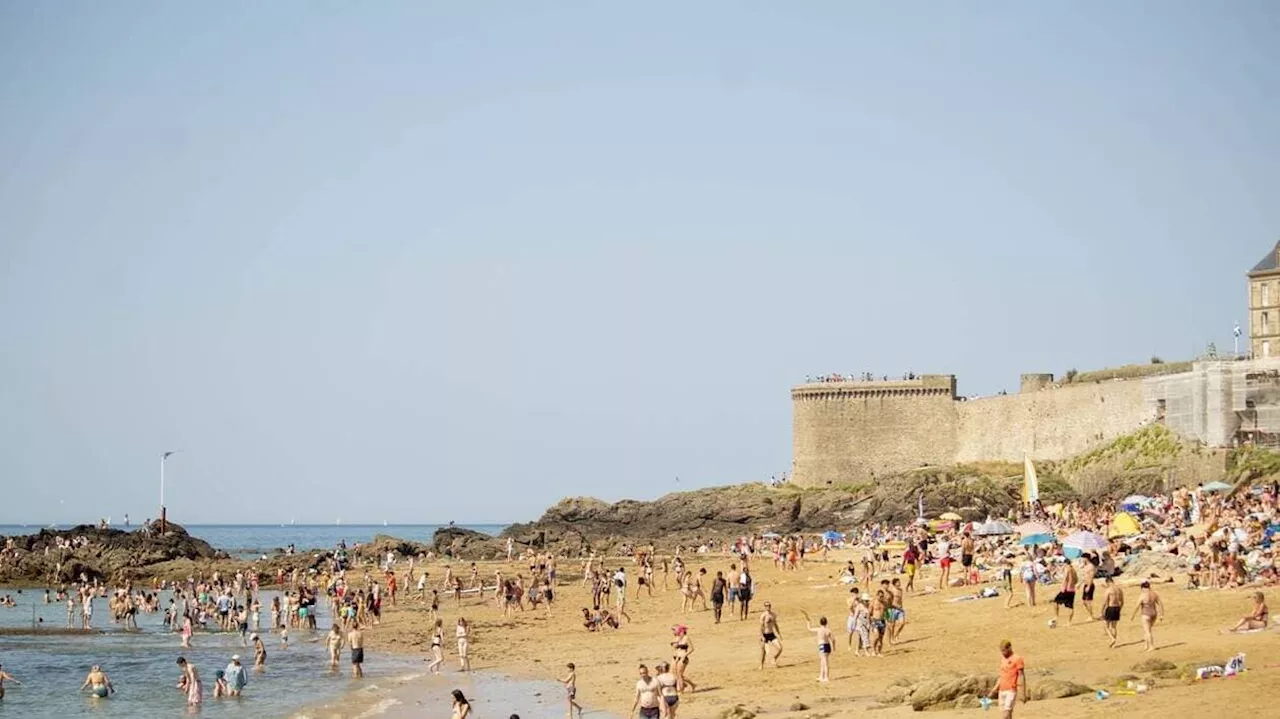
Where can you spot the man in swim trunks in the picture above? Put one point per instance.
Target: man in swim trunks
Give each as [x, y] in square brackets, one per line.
[646, 696]
[770, 635]
[355, 638]
[98, 683]
[1088, 570]
[966, 555]
[1066, 597]
[896, 613]
[1112, 604]
[6, 676]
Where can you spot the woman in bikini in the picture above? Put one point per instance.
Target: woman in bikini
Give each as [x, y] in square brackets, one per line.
[668, 691]
[1258, 618]
[683, 648]
[1151, 609]
[437, 647]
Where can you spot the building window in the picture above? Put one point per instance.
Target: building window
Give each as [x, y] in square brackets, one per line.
[1266, 294]
[1266, 323]
[1266, 348]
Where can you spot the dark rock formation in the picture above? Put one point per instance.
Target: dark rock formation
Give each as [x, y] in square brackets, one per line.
[460, 543]
[94, 553]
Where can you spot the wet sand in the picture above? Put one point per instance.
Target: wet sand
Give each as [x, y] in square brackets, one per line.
[940, 636]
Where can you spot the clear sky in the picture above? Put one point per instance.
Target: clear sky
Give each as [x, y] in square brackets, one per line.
[428, 261]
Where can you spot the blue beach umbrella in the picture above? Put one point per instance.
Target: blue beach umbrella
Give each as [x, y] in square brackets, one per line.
[832, 536]
[1031, 539]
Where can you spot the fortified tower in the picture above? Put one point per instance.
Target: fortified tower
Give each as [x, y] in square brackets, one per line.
[845, 432]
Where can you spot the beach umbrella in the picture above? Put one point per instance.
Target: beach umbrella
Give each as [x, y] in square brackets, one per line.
[1029, 528]
[1135, 499]
[951, 516]
[994, 527]
[1085, 542]
[1030, 539]
[771, 535]
[1217, 487]
[832, 536]
[1123, 524]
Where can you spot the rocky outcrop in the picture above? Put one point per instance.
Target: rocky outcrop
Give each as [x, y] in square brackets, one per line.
[94, 553]
[687, 517]
[459, 543]
[958, 691]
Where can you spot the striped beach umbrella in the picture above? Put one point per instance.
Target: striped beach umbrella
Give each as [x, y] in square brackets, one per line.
[1027, 529]
[1086, 542]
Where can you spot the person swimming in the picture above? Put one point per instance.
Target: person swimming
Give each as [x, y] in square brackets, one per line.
[98, 683]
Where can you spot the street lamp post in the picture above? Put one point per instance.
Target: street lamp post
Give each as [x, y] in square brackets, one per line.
[163, 457]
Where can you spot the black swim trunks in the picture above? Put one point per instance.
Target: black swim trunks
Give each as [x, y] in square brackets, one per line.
[357, 655]
[1087, 593]
[1111, 614]
[966, 560]
[1066, 599]
[769, 637]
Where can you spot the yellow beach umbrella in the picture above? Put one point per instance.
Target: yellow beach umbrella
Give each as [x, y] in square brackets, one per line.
[951, 516]
[1123, 524]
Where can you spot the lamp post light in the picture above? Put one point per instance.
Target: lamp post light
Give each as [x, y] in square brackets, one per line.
[163, 458]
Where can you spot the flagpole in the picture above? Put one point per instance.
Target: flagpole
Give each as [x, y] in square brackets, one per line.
[163, 518]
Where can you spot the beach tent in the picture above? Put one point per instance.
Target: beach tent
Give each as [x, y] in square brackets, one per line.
[951, 516]
[1217, 487]
[1123, 524]
[771, 535]
[832, 536]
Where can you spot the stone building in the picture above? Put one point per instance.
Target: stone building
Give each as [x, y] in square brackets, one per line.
[1264, 305]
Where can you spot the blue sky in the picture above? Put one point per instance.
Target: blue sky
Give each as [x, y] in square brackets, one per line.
[425, 261]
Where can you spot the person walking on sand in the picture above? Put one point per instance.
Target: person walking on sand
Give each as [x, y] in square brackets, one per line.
[825, 643]
[1112, 605]
[683, 648]
[1012, 672]
[668, 691]
[463, 633]
[770, 635]
[97, 682]
[717, 595]
[355, 638]
[1088, 570]
[647, 696]
[1151, 609]
[744, 593]
[570, 683]
[1066, 597]
[437, 647]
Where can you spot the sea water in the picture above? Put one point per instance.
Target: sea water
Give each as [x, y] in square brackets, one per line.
[297, 682]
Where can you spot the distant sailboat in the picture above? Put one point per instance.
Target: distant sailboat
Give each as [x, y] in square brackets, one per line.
[384, 522]
[292, 522]
[338, 522]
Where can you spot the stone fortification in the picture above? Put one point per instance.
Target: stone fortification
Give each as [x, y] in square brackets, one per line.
[851, 432]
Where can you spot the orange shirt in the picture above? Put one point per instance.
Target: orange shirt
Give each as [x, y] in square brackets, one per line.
[1010, 667]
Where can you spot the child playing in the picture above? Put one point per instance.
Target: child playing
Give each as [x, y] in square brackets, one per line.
[220, 688]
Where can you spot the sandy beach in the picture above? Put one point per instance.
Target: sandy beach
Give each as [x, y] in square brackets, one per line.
[940, 637]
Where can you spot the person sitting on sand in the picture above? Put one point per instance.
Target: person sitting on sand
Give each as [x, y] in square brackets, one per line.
[98, 683]
[1258, 618]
